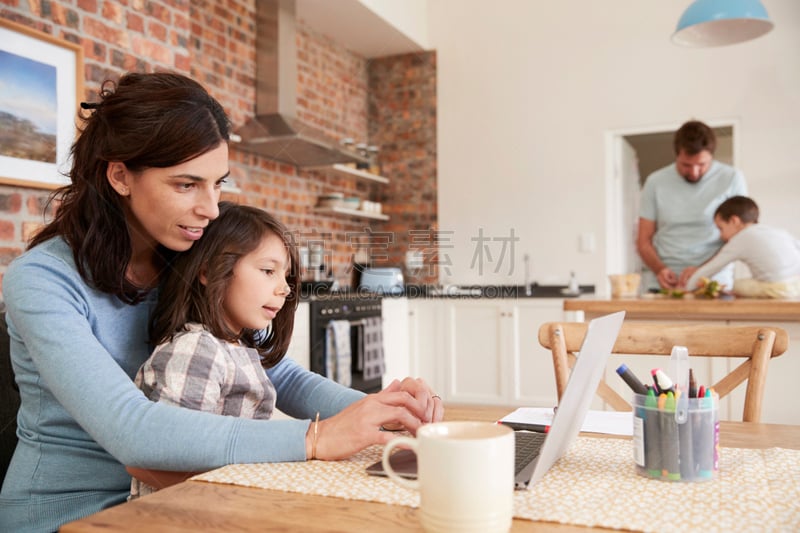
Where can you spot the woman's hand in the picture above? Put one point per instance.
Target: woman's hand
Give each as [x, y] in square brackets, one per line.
[429, 400]
[407, 404]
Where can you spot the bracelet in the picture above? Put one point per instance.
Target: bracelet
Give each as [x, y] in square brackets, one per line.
[314, 442]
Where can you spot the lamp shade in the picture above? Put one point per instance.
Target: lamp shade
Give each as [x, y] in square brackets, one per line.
[721, 22]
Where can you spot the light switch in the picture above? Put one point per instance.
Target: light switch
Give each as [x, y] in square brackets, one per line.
[587, 244]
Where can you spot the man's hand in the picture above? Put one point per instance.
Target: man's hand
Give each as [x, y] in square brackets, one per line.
[667, 278]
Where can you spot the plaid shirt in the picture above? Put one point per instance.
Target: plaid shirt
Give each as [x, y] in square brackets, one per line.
[201, 372]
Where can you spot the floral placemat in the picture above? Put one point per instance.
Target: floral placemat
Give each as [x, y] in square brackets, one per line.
[594, 484]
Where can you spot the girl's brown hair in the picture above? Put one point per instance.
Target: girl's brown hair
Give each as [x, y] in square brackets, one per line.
[183, 298]
[154, 120]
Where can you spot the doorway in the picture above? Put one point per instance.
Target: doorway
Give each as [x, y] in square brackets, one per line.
[631, 156]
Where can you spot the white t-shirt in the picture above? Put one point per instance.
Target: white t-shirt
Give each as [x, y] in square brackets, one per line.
[771, 254]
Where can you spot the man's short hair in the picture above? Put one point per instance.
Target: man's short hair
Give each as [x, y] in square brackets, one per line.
[740, 206]
[694, 137]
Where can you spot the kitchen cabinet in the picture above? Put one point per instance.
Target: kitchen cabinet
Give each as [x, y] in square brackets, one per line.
[395, 314]
[299, 346]
[426, 341]
[492, 353]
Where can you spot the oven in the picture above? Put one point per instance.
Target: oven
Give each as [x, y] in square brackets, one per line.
[323, 310]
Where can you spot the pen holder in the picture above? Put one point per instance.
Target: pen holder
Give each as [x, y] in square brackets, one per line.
[678, 442]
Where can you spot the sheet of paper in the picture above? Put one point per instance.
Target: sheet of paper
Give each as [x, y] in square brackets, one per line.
[608, 422]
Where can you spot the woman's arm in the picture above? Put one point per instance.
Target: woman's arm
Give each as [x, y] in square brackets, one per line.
[83, 348]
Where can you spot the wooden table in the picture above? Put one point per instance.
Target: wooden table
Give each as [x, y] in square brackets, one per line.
[201, 506]
[686, 308]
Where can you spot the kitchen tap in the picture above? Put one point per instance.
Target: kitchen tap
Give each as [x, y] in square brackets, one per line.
[528, 289]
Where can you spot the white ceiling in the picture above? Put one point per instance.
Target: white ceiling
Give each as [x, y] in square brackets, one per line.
[356, 27]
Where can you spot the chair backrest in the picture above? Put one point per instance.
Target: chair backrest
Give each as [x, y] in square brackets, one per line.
[9, 402]
[755, 343]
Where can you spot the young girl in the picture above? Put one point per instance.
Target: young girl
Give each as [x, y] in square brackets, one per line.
[216, 302]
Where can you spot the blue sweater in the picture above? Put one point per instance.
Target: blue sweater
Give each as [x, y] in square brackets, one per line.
[75, 352]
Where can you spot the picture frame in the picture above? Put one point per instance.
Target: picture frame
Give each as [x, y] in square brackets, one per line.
[41, 86]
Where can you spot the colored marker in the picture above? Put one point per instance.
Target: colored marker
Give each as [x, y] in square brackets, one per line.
[692, 385]
[631, 379]
[652, 444]
[662, 381]
[706, 441]
[686, 448]
[669, 439]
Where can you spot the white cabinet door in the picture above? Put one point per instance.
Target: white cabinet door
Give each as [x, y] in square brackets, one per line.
[493, 354]
[299, 346]
[425, 336]
[533, 381]
[396, 346]
[476, 351]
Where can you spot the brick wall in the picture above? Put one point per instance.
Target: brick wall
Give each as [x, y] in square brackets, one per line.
[213, 41]
[403, 123]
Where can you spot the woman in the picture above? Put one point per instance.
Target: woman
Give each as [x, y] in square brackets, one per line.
[145, 181]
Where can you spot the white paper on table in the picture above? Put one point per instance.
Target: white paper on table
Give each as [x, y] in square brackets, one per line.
[607, 422]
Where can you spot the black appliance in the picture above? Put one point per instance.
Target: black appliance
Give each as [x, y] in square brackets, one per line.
[324, 309]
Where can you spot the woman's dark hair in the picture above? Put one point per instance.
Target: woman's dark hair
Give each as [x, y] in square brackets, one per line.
[694, 137]
[154, 120]
[235, 233]
[740, 206]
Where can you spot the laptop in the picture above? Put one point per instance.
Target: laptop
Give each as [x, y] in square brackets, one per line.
[537, 452]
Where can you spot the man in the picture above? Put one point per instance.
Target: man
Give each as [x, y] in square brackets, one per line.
[676, 219]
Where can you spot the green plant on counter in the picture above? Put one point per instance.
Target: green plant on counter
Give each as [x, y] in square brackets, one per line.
[708, 288]
[673, 293]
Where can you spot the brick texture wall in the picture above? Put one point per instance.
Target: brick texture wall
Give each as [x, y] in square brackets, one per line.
[387, 102]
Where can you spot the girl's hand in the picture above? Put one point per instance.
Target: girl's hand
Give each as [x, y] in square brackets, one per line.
[409, 404]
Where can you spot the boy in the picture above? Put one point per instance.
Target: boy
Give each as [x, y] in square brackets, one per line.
[771, 254]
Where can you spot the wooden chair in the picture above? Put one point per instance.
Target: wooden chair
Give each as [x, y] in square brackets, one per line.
[756, 343]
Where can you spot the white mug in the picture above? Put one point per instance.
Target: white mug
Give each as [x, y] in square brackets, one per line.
[465, 475]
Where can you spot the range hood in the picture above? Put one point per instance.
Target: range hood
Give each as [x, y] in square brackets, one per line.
[275, 132]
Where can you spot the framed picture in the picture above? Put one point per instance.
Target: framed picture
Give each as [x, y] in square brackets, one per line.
[41, 84]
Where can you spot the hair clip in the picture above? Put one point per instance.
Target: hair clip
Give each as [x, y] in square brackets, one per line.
[90, 105]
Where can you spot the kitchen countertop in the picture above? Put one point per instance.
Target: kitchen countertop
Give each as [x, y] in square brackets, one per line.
[454, 292]
[658, 307]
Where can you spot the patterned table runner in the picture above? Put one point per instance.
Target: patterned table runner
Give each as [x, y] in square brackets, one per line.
[594, 484]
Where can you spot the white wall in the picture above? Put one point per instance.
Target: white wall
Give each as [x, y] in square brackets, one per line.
[527, 89]
[409, 16]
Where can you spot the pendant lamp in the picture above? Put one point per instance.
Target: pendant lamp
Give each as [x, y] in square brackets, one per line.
[721, 22]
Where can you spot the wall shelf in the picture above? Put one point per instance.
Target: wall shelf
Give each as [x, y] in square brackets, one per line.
[351, 212]
[344, 170]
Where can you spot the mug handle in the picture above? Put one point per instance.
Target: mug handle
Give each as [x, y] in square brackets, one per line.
[412, 484]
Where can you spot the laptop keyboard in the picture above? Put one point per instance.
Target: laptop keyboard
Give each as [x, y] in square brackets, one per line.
[527, 446]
